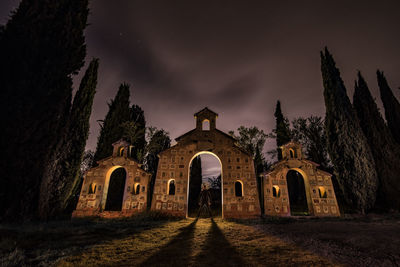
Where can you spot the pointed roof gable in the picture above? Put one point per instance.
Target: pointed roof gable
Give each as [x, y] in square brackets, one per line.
[204, 110]
[120, 142]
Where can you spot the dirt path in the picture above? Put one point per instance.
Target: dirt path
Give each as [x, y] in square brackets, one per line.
[200, 242]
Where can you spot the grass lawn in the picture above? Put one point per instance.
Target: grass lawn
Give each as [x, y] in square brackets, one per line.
[151, 240]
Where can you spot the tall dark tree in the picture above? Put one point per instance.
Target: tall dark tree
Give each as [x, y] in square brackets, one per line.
[250, 139]
[282, 129]
[348, 148]
[158, 141]
[259, 164]
[195, 182]
[111, 128]
[216, 194]
[132, 132]
[391, 105]
[384, 148]
[41, 47]
[139, 144]
[86, 164]
[310, 132]
[62, 173]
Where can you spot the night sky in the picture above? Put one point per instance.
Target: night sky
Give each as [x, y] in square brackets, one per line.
[236, 57]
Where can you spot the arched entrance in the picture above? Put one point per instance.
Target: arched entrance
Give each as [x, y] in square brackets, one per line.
[297, 193]
[204, 167]
[295, 186]
[115, 190]
[236, 164]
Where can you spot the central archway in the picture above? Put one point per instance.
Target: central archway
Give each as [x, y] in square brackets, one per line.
[213, 181]
[192, 209]
[237, 172]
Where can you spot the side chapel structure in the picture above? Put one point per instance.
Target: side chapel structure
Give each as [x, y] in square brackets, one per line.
[295, 186]
[117, 187]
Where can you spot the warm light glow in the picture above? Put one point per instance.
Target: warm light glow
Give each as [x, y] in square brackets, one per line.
[121, 151]
[291, 152]
[322, 192]
[276, 191]
[136, 189]
[92, 188]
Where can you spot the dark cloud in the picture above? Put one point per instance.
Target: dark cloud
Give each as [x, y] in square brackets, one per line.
[237, 57]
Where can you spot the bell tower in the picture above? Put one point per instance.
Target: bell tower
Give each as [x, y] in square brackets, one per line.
[291, 150]
[205, 119]
[121, 148]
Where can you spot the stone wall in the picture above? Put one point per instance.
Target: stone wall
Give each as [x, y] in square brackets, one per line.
[321, 198]
[236, 166]
[93, 203]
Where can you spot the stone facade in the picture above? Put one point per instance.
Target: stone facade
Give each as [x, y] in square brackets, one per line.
[321, 199]
[94, 192]
[236, 166]
[239, 187]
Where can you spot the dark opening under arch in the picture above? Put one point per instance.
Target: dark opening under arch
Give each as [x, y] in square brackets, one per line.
[238, 189]
[115, 192]
[276, 191]
[171, 187]
[297, 193]
[213, 180]
[136, 189]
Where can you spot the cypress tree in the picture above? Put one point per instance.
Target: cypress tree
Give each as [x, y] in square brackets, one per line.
[159, 141]
[282, 130]
[384, 148]
[63, 174]
[348, 148]
[310, 132]
[41, 47]
[391, 105]
[258, 162]
[195, 182]
[111, 128]
[139, 144]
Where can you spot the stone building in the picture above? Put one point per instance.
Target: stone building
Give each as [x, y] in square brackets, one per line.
[117, 187]
[238, 181]
[295, 186]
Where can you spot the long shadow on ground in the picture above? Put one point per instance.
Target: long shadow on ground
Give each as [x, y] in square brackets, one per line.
[43, 243]
[177, 252]
[217, 251]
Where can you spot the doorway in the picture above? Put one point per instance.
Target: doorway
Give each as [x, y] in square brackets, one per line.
[116, 188]
[205, 168]
[297, 193]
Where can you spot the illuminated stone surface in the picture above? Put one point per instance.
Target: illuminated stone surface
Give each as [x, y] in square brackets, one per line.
[97, 179]
[236, 165]
[321, 199]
